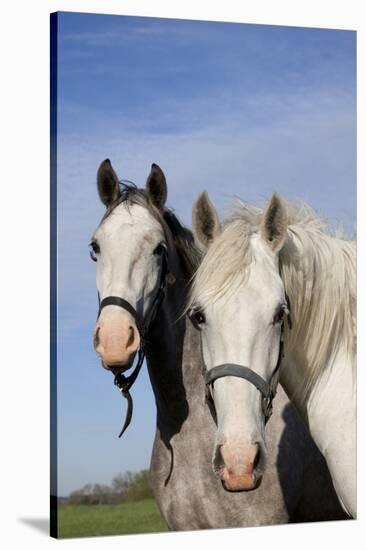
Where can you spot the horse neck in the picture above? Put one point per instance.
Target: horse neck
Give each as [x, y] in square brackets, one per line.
[174, 362]
[318, 272]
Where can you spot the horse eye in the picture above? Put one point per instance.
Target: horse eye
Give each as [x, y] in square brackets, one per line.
[280, 314]
[160, 249]
[197, 316]
[94, 249]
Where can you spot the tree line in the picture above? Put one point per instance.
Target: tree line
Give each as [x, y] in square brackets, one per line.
[124, 487]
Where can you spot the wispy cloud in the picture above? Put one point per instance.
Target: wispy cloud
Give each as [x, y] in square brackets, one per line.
[305, 153]
[142, 29]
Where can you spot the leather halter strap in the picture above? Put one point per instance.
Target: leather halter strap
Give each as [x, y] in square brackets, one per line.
[124, 383]
[240, 371]
[117, 301]
[267, 389]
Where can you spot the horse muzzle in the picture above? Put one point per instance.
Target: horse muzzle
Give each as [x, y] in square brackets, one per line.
[116, 340]
[238, 468]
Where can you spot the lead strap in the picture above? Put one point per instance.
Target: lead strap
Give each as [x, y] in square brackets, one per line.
[124, 384]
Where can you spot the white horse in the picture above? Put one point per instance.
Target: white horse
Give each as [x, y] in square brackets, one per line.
[268, 275]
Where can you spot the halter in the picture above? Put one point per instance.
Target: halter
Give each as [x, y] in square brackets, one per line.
[267, 389]
[124, 383]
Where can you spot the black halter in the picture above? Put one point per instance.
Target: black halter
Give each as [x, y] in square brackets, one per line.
[267, 389]
[124, 383]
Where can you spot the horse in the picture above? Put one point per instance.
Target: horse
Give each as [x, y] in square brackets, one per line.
[275, 298]
[145, 260]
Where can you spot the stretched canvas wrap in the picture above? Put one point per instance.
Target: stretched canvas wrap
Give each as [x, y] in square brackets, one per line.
[203, 285]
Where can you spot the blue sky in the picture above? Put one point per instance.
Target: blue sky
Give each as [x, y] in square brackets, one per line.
[239, 110]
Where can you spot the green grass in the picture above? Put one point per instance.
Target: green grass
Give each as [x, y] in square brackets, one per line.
[91, 521]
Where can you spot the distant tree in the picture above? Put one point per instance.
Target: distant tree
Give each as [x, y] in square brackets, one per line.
[128, 486]
[75, 497]
[120, 484]
[88, 489]
[100, 494]
[81, 496]
[139, 486]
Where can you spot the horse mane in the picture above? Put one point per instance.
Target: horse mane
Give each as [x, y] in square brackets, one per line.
[188, 252]
[224, 269]
[182, 238]
[318, 270]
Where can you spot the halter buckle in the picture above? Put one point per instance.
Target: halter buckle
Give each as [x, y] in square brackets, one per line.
[267, 406]
[121, 382]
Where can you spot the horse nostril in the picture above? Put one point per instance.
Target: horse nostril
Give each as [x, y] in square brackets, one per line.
[96, 340]
[131, 337]
[218, 461]
[257, 458]
[133, 340]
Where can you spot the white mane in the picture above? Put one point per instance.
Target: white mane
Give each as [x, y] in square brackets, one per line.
[317, 268]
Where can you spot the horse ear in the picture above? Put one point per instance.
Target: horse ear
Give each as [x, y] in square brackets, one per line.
[156, 187]
[274, 224]
[107, 183]
[205, 221]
